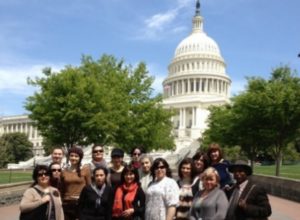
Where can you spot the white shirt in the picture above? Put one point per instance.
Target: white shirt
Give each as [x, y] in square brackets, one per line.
[159, 196]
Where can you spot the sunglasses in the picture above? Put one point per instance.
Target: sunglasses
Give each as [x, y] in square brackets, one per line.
[56, 170]
[42, 174]
[160, 167]
[136, 154]
[97, 151]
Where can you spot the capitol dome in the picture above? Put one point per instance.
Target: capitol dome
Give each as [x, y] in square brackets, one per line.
[198, 43]
[196, 80]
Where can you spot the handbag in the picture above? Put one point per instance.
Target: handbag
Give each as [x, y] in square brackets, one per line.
[37, 213]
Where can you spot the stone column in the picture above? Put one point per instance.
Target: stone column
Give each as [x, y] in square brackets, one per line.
[200, 85]
[184, 118]
[30, 132]
[189, 85]
[193, 116]
[195, 82]
[180, 117]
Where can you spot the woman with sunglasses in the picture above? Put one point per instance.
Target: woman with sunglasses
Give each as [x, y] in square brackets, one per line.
[41, 201]
[135, 155]
[74, 178]
[95, 201]
[162, 193]
[97, 157]
[55, 175]
[129, 201]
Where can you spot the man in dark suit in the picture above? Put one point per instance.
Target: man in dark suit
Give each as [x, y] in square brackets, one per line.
[248, 201]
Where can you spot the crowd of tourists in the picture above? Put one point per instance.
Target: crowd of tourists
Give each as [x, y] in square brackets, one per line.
[206, 187]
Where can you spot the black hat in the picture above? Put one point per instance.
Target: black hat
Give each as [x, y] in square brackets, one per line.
[117, 152]
[242, 165]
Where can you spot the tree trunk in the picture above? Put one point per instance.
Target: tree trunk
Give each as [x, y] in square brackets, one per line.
[252, 159]
[278, 161]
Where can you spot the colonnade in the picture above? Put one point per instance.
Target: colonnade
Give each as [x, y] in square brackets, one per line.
[187, 117]
[24, 125]
[26, 128]
[209, 66]
[196, 85]
[190, 121]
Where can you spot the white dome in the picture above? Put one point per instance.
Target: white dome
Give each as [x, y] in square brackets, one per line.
[197, 43]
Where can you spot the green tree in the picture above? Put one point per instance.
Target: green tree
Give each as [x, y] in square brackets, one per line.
[265, 117]
[103, 101]
[282, 96]
[14, 147]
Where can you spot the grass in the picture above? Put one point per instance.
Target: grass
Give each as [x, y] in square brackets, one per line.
[14, 176]
[288, 171]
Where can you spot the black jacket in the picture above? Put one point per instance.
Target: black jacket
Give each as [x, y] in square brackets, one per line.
[138, 205]
[257, 203]
[87, 204]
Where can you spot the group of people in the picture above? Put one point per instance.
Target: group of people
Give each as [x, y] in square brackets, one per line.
[207, 187]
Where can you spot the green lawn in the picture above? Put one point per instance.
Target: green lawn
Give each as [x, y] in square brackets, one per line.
[288, 171]
[14, 176]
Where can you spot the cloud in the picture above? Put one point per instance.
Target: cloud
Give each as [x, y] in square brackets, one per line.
[164, 22]
[159, 21]
[14, 79]
[159, 73]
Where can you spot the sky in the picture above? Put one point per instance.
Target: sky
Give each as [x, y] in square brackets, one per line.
[254, 36]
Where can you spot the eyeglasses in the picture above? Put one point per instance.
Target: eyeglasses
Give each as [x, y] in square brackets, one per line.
[43, 174]
[56, 170]
[97, 151]
[160, 167]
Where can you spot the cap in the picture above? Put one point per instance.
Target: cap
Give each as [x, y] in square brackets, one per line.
[117, 152]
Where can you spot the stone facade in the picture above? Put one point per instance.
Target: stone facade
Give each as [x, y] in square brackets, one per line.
[23, 124]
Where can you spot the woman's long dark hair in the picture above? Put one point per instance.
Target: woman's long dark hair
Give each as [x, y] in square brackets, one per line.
[79, 152]
[36, 171]
[185, 161]
[131, 169]
[156, 163]
[57, 183]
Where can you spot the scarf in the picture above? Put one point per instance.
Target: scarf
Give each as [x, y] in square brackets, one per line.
[99, 192]
[126, 194]
[136, 164]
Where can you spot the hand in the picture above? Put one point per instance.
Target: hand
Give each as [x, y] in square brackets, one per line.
[226, 188]
[46, 198]
[127, 213]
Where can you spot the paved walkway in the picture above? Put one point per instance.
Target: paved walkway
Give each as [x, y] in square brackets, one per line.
[282, 209]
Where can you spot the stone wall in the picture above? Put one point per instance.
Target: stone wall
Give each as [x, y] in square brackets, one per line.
[279, 186]
[12, 193]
